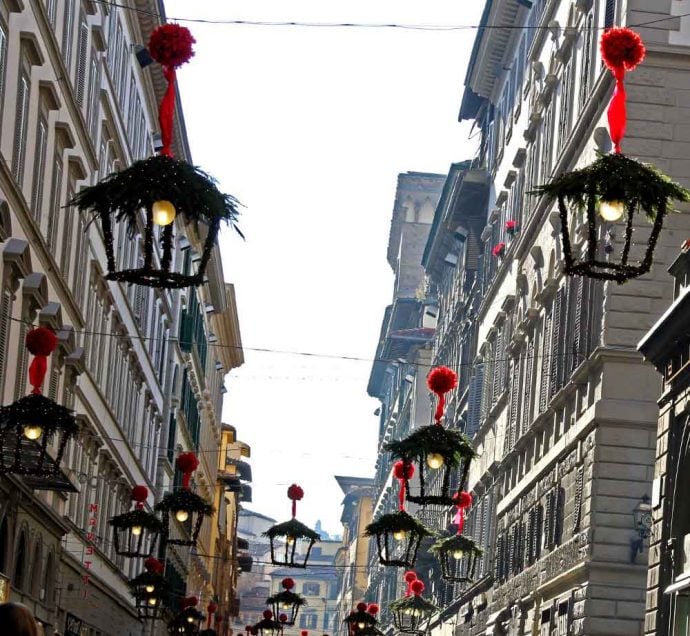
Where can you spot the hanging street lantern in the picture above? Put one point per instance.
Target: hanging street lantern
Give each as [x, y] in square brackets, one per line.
[436, 452]
[363, 617]
[184, 505]
[607, 197]
[291, 541]
[34, 430]
[136, 532]
[268, 626]
[149, 589]
[188, 621]
[286, 603]
[398, 534]
[412, 613]
[457, 554]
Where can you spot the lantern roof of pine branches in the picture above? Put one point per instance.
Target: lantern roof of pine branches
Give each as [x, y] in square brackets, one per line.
[413, 602]
[184, 500]
[269, 624]
[137, 518]
[394, 522]
[360, 616]
[193, 192]
[189, 612]
[616, 177]
[451, 444]
[149, 578]
[455, 542]
[292, 528]
[41, 411]
[288, 597]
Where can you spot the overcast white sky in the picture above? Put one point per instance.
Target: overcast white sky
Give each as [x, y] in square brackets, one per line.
[309, 128]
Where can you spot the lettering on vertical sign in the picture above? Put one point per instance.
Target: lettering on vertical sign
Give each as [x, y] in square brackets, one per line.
[91, 524]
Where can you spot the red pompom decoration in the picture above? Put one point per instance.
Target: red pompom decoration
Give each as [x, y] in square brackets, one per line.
[403, 470]
[283, 618]
[441, 380]
[417, 587]
[154, 565]
[304, 632]
[187, 462]
[621, 48]
[373, 609]
[361, 607]
[410, 576]
[498, 249]
[171, 45]
[295, 492]
[268, 615]
[140, 493]
[41, 341]
[190, 601]
[288, 583]
[462, 499]
[211, 608]
[247, 628]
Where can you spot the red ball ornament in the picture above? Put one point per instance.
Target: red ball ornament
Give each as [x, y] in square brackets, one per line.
[295, 492]
[154, 565]
[441, 380]
[417, 587]
[211, 608]
[410, 576]
[463, 499]
[373, 609]
[247, 628]
[41, 341]
[171, 45]
[621, 48]
[140, 493]
[192, 601]
[304, 632]
[288, 583]
[268, 615]
[361, 607]
[187, 462]
[403, 470]
[283, 618]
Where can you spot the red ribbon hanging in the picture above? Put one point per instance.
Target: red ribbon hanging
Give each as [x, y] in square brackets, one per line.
[463, 500]
[616, 112]
[166, 112]
[40, 342]
[37, 371]
[403, 472]
[295, 494]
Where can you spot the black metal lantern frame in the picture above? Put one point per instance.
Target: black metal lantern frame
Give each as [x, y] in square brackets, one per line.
[618, 183]
[27, 428]
[287, 603]
[398, 536]
[412, 614]
[186, 623]
[359, 621]
[458, 556]
[122, 196]
[184, 503]
[149, 590]
[268, 627]
[291, 543]
[136, 533]
[437, 453]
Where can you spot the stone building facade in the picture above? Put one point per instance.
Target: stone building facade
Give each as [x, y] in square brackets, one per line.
[138, 366]
[558, 402]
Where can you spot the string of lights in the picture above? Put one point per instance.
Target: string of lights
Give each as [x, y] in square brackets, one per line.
[361, 25]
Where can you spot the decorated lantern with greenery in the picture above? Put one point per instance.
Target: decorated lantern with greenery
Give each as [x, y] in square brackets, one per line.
[398, 534]
[184, 505]
[437, 452]
[361, 618]
[457, 554]
[412, 613]
[149, 589]
[603, 201]
[188, 621]
[286, 603]
[136, 532]
[291, 541]
[34, 430]
[267, 626]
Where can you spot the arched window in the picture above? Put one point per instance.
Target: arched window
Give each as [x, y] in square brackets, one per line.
[36, 579]
[48, 581]
[20, 563]
[4, 545]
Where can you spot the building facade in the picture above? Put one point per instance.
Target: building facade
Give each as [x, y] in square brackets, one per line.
[668, 578]
[137, 365]
[559, 405]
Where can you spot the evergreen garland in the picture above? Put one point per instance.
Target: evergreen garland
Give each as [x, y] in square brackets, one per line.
[450, 443]
[184, 500]
[286, 597]
[413, 603]
[292, 528]
[137, 517]
[454, 543]
[395, 522]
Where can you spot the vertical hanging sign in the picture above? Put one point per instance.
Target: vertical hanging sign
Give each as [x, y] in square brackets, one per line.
[91, 524]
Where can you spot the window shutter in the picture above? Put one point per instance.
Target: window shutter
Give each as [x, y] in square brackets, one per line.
[22, 364]
[546, 357]
[497, 367]
[514, 401]
[609, 13]
[487, 383]
[548, 521]
[39, 169]
[82, 61]
[67, 33]
[498, 559]
[579, 484]
[528, 383]
[474, 401]
[5, 312]
[3, 59]
[538, 523]
[512, 549]
[559, 497]
[557, 338]
[20, 124]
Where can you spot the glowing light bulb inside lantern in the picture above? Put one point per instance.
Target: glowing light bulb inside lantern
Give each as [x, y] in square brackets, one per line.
[32, 431]
[181, 515]
[407, 611]
[361, 625]
[150, 588]
[611, 210]
[434, 461]
[163, 212]
[136, 530]
[399, 535]
[457, 554]
[289, 539]
[190, 619]
[285, 606]
[153, 601]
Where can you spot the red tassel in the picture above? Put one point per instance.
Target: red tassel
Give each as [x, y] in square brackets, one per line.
[166, 112]
[402, 471]
[37, 372]
[616, 112]
[441, 380]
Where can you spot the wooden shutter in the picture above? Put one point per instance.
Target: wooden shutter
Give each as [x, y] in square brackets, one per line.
[67, 28]
[474, 400]
[557, 348]
[5, 313]
[514, 401]
[3, 59]
[498, 559]
[548, 521]
[497, 367]
[20, 125]
[559, 515]
[82, 61]
[546, 357]
[609, 13]
[22, 364]
[528, 383]
[579, 485]
[578, 335]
